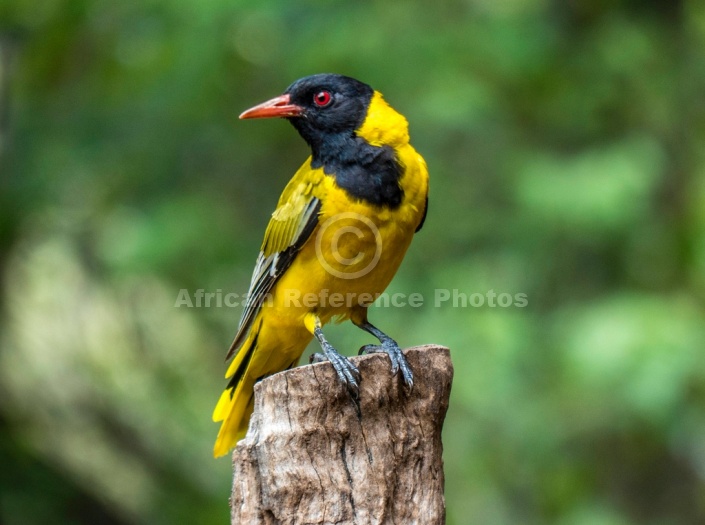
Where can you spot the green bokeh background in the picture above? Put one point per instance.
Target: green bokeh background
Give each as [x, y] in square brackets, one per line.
[565, 145]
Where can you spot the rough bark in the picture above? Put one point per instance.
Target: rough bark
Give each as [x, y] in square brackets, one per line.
[309, 457]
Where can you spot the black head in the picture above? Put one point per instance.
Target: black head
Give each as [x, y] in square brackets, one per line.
[332, 104]
[319, 106]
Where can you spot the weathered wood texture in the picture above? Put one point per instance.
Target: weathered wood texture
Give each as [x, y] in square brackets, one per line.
[309, 458]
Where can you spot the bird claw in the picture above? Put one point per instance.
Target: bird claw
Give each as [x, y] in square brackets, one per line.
[391, 348]
[317, 357]
[347, 372]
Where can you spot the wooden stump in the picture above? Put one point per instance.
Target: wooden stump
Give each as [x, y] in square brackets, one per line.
[309, 457]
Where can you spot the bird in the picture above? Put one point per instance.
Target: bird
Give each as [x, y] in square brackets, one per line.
[340, 230]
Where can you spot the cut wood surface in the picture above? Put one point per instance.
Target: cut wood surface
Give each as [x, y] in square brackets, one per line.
[310, 457]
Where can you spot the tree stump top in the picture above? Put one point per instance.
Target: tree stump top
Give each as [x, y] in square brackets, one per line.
[309, 456]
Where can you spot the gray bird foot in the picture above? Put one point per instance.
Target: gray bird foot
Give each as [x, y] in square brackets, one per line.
[347, 372]
[391, 348]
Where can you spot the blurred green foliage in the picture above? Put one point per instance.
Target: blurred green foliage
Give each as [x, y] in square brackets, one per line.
[565, 143]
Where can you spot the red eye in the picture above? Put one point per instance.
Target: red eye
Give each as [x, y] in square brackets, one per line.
[322, 98]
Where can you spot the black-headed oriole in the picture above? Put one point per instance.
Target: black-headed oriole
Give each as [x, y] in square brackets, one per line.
[336, 239]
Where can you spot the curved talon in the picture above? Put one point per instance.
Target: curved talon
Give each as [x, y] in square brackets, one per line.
[407, 374]
[368, 349]
[317, 357]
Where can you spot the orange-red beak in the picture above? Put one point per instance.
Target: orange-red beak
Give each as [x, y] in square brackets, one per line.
[277, 107]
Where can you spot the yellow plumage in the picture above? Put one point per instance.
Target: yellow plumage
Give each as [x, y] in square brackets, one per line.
[344, 234]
